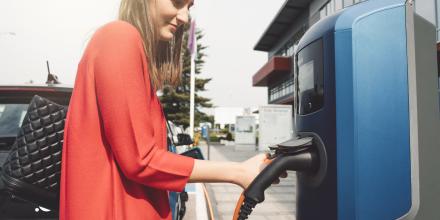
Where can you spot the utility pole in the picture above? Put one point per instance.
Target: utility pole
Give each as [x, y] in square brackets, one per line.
[192, 46]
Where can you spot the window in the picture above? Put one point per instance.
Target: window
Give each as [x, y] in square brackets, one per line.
[338, 4]
[347, 3]
[332, 6]
[327, 9]
[437, 13]
[11, 117]
[287, 50]
[281, 90]
[322, 13]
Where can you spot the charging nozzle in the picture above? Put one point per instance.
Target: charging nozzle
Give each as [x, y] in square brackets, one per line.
[295, 155]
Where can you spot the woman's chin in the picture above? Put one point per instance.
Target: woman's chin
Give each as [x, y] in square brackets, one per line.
[166, 36]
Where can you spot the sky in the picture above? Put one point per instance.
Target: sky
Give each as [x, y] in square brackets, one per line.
[33, 31]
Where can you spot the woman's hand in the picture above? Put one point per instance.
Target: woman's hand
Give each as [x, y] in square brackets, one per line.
[241, 174]
[251, 168]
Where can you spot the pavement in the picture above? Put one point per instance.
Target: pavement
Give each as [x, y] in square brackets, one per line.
[280, 200]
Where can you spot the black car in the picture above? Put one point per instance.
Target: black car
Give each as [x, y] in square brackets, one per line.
[13, 106]
[14, 102]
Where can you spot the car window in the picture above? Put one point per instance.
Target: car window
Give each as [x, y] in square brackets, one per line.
[11, 117]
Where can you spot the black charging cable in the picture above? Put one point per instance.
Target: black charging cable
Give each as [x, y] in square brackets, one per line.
[301, 156]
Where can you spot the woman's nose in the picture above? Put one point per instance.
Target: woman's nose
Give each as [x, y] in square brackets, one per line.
[183, 16]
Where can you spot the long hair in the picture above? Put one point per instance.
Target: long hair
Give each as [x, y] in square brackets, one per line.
[163, 57]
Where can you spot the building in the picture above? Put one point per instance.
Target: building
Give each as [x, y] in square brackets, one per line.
[287, 28]
[226, 116]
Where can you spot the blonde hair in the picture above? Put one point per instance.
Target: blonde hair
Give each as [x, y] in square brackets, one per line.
[163, 57]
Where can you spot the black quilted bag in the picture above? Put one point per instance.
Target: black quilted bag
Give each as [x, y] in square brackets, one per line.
[33, 167]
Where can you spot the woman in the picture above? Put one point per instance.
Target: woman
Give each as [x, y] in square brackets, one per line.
[115, 164]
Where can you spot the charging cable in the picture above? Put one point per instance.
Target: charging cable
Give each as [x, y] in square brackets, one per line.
[298, 155]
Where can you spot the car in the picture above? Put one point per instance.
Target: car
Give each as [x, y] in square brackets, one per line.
[13, 107]
[177, 199]
[173, 133]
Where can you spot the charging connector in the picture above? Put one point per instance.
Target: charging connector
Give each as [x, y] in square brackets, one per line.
[296, 155]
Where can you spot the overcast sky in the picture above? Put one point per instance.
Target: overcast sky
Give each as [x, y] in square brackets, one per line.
[33, 31]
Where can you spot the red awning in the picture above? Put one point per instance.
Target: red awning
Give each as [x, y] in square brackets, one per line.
[276, 65]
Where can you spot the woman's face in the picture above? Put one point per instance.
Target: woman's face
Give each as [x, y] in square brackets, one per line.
[170, 15]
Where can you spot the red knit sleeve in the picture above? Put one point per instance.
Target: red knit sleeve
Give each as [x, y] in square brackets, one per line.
[125, 100]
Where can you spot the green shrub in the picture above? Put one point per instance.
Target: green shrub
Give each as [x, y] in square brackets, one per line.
[213, 138]
[229, 136]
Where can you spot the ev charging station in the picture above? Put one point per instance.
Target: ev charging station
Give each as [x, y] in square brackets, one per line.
[366, 88]
[367, 119]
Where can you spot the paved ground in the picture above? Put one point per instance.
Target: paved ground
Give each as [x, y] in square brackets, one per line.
[190, 213]
[279, 199]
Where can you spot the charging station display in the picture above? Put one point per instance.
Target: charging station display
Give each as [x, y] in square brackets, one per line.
[310, 79]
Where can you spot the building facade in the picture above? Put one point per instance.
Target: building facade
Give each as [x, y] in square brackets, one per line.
[286, 29]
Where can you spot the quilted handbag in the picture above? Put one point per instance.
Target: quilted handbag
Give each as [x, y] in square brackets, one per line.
[32, 169]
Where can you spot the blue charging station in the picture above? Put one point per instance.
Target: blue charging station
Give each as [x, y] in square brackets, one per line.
[366, 87]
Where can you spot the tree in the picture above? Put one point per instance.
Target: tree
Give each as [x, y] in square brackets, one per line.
[176, 101]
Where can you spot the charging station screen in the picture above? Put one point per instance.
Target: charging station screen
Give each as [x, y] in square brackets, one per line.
[307, 76]
[310, 78]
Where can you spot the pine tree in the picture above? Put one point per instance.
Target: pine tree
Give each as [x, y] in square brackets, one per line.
[176, 101]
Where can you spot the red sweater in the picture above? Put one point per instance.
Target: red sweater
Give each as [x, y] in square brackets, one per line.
[115, 162]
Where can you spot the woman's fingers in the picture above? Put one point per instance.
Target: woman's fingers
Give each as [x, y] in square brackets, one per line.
[251, 168]
[283, 175]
